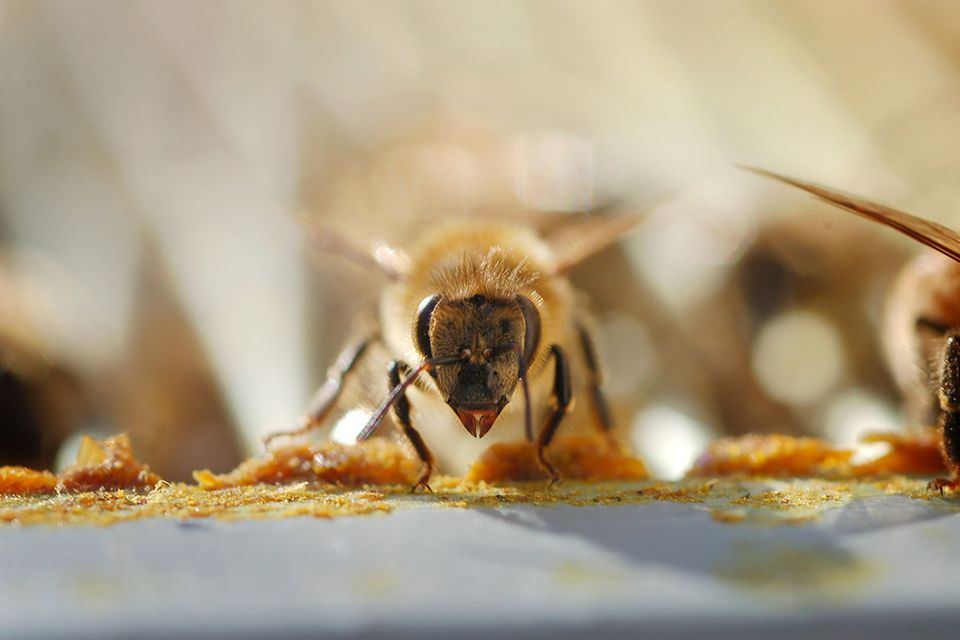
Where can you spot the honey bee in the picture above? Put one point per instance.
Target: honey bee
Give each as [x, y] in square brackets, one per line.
[485, 310]
[921, 326]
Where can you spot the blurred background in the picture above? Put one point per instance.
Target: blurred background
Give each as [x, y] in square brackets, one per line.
[153, 155]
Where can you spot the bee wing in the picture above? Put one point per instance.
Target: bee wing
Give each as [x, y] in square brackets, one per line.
[575, 242]
[936, 236]
[377, 255]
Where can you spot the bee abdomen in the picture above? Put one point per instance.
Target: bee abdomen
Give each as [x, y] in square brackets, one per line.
[949, 396]
[950, 442]
[950, 376]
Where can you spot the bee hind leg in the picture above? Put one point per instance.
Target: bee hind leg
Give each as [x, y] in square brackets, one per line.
[325, 398]
[601, 410]
[401, 410]
[560, 399]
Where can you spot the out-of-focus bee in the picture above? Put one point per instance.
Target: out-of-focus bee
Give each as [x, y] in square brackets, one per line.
[921, 328]
[485, 310]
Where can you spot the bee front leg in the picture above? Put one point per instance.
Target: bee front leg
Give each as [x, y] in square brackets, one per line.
[601, 410]
[949, 396]
[325, 398]
[560, 399]
[401, 409]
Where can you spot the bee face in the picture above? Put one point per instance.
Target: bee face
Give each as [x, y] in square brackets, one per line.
[487, 336]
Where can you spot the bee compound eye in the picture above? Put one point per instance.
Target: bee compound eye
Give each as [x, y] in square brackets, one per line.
[422, 325]
[487, 353]
[531, 338]
[465, 353]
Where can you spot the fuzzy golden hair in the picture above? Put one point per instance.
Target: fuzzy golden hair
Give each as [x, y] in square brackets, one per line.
[494, 260]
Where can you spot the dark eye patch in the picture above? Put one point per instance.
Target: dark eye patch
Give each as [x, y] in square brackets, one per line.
[505, 326]
[424, 313]
[925, 324]
[531, 338]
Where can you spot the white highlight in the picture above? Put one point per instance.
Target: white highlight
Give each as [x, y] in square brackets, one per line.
[554, 172]
[798, 357]
[690, 241]
[668, 440]
[854, 414]
[628, 354]
[350, 425]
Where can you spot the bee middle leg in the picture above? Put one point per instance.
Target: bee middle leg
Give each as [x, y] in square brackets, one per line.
[560, 399]
[949, 396]
[401, 409]
[601, 410]
[325, 398]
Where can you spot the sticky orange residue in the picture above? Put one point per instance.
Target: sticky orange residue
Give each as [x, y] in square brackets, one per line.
[100, 465]
[23, 481]
[107, 465]
[374, 462]
[915, 452]
[769, 455]
[582, 457]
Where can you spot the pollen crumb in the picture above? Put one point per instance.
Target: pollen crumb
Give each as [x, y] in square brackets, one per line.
[583, 457]
[374, 462]
[771, 455]
[915, 452]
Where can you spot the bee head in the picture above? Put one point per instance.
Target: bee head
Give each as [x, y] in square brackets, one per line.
[492, 341]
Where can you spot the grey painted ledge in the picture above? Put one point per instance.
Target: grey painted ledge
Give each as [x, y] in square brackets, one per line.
[876, 567]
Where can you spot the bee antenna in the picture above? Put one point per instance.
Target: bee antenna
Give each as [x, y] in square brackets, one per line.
[398, 391]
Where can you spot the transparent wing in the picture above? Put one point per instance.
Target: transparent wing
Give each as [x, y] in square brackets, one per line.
[576, 241]
[373, 255]
[936, 236]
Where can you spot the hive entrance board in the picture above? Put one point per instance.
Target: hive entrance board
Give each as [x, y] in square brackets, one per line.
[697, 558]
